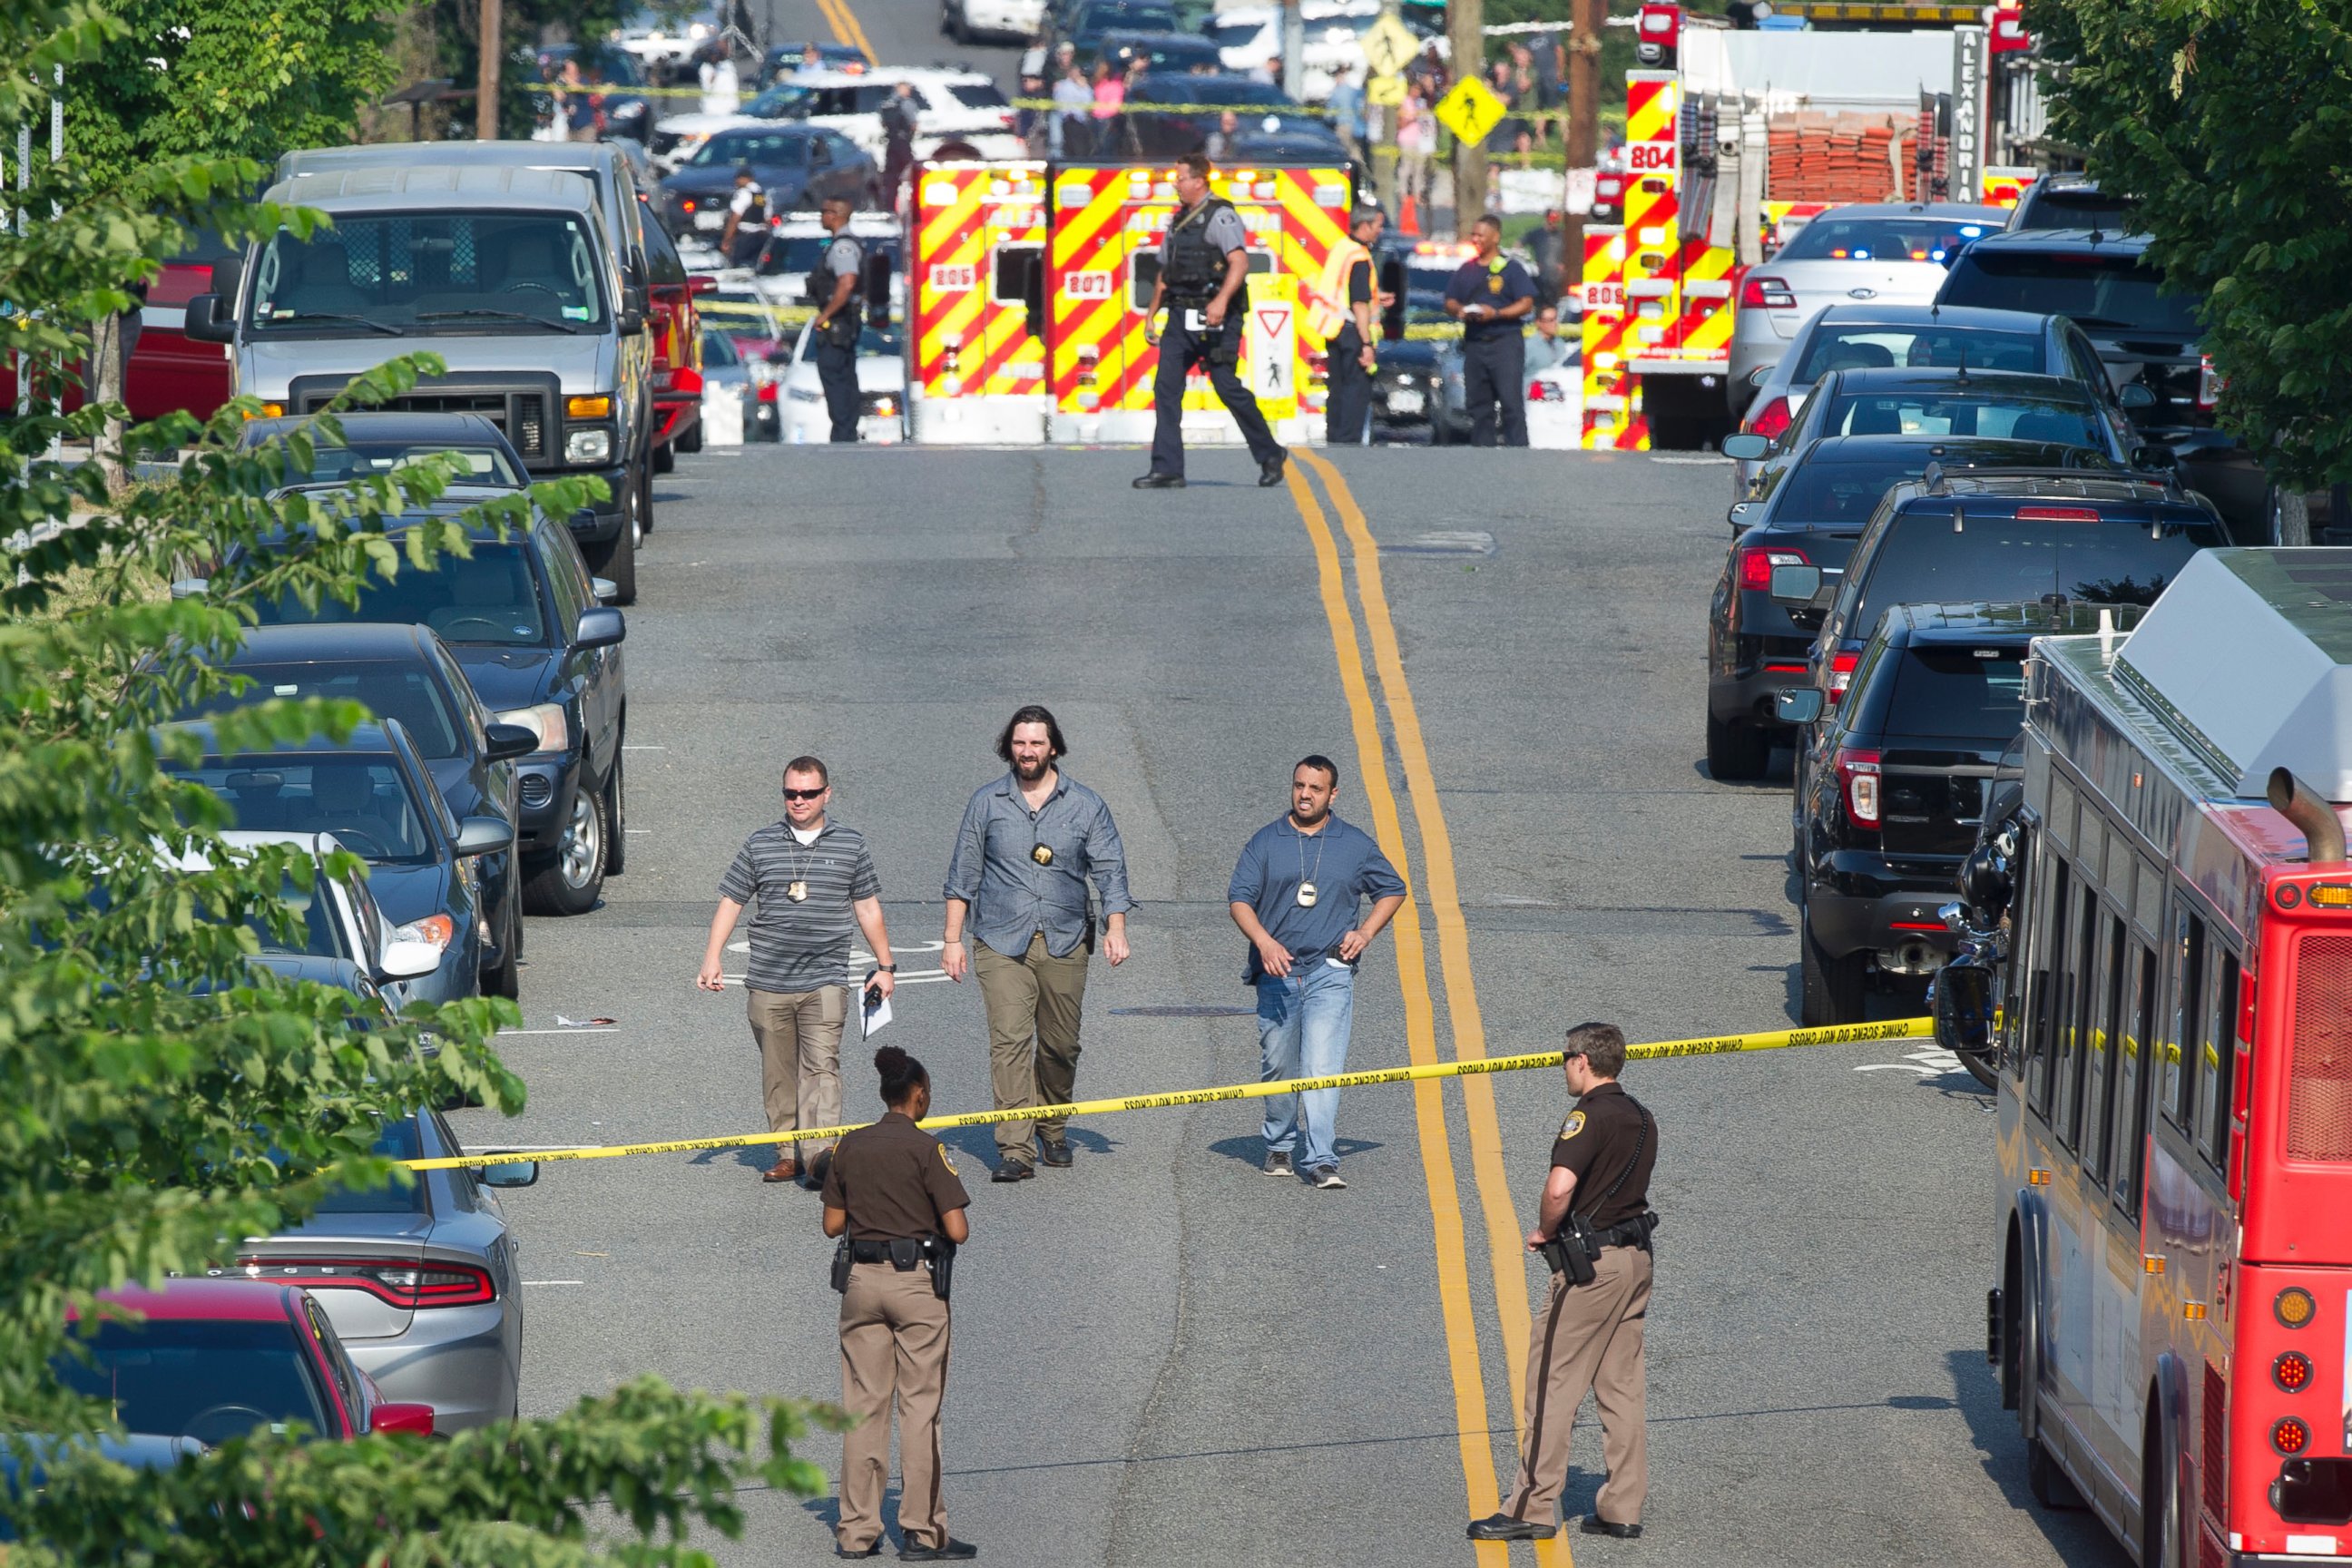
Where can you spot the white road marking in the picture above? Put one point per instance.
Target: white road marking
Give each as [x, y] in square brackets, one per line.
[645, 748]
[556, 1282]
[1932, 1061]
[593, 1030]
[1707, 459]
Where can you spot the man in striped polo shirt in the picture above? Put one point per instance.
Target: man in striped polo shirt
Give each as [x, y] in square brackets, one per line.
[816, 888]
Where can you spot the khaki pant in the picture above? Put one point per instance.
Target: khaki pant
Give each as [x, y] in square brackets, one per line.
[1588, 1336]
[1033, 997]
[799, 1033]
[893, 1346]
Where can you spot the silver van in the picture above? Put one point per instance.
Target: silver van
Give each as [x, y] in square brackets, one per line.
[508, 274]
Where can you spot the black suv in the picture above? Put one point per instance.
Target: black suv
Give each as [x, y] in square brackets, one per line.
[522, 617]
[1894, 786]
[2069, 201]
[1810, 507]
[2001, 537]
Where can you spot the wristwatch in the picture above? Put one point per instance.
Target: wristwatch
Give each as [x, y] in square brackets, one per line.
[885, 969]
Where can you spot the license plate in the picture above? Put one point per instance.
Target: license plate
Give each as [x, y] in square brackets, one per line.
[1406, 403]
[710, 220]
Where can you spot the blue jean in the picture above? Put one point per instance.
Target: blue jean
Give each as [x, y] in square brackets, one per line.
[1302, 1032]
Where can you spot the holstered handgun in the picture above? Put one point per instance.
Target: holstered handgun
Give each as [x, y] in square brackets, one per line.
[942, 1253]
[841, 1268]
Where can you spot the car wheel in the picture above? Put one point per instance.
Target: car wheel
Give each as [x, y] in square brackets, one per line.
[691, 442]
[1737, 752]
[645, 499]
[1832, 987]
[506, 980]
[571, 880]
[664, 458]
[2045, 1480]
[616, 560]
[616, 812]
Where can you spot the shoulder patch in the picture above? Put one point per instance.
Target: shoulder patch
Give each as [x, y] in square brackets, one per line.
[1573, 1125]
[948, 1163]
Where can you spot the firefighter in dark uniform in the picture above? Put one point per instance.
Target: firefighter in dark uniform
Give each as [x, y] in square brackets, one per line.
[899, 1208]
[1492, 297]
[832, 288]
[1593, 1229]
[1202, 263]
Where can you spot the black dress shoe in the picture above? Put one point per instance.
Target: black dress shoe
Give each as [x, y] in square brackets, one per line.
[1011, 1171]
[1503, 1527]
[949, 1550]
[1596, 1525]
[872, 1549]
[1271, 473]
[1055, 1154]
[1160, 481]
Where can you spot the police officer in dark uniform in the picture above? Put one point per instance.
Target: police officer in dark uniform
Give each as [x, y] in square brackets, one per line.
[832, 288]
[1202, 263]
[899, 1208]
[1593, 1229]
[1492, 297]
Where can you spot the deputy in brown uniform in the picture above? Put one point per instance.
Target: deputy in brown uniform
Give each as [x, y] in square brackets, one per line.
[1594, 1229]
[899, 1208]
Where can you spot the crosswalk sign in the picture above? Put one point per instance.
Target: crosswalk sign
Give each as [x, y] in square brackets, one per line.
[1470, 109]
[1387, 44]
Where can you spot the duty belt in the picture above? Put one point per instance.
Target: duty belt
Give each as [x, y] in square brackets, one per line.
[909, 1248]
[1634, 1232]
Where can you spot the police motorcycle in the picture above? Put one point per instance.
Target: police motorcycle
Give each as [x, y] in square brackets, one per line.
[1962, 996]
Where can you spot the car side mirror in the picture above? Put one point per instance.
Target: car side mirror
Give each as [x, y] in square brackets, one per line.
[207, 322]
[408, 1420]
[1744, 514]
[2136, 397]
[1394, 285]
[229, 279]
[509, 741]
[1746, 446]
[484, 836]
[407, 960]
[512, 1173]
[191, 587]
[606, 589]
[599, 627]
[1798, 704]
[1795, 585]
[1756, 377]
[1964, 1008]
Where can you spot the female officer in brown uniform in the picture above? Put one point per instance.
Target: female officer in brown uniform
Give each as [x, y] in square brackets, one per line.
[898, 1207]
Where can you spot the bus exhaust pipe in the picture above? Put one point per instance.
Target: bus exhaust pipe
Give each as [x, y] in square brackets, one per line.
[2323, 833]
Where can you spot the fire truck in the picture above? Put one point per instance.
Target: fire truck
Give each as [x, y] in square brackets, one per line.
[1734, 136]
[1030, 281]
[2168, 1014]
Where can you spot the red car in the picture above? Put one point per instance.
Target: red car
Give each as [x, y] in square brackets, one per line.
[218, 1359]
[677, 327]
[168, 369]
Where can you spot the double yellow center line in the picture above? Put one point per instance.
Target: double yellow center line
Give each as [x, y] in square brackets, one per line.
[1504, 1245]
[845, 30]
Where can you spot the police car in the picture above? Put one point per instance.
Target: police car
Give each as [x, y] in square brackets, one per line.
[881, 390]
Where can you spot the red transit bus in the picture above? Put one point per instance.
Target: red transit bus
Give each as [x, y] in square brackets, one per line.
[2174, 1043]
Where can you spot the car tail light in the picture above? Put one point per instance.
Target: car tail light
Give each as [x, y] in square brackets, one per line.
[2209, 385]
[1773, 420]
[1756, 564]
[1761, 292]
[415, 1286]
[2056, 515]
[1841, 672]
[1857, 772]
[1546, 392]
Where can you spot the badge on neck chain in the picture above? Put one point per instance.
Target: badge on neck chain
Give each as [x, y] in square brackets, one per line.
[1306, 895]
[1043, 855]
[797, 892]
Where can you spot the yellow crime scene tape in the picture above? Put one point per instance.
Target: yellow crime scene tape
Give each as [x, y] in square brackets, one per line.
[1709, 1045]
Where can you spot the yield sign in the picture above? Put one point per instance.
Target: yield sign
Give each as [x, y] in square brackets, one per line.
[1272, 319]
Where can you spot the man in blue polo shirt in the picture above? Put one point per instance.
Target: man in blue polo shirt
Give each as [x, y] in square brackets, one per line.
[1296, 893]
[1492, 297]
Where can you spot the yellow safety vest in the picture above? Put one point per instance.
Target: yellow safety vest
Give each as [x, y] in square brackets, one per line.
[1328, 312]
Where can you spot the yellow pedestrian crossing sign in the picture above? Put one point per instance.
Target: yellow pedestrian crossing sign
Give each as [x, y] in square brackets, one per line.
[1384, 91]
[1470, 111]
[1389, 45]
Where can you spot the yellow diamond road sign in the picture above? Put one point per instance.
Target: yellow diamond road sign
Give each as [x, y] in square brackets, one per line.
[1387, 44]
[1470, 111]
[1384, 91]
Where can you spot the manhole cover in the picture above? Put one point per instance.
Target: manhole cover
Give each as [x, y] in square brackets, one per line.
[1185, 1011]
[1460, 543]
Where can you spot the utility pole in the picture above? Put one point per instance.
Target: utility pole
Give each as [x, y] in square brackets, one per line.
[493, 49]
[1465, 22]
[1583, 123]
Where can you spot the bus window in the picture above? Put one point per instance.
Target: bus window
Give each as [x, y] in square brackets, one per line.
[2075, 989]
[2179, 1076]
[2131, 1081]
[2017, 1037]
[2102, 1062]
[2217, 1062]
[2060, 818]
[2048, 965]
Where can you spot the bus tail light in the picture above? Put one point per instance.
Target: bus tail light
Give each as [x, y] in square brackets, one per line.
[2291, 1371]
[1857, 772]
[1757, 562]
[2289, 1435]
[2293, 1307]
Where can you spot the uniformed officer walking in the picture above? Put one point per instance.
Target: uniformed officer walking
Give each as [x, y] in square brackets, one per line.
[813, 882]
[1343, 296]
[1028, 844]
[746, 229]
[899, 1208]
[1492, 296]
[832, 288]
[1593, 1229]
[1202, 262]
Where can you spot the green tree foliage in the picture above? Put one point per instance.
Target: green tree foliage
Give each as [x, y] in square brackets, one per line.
[2228, 119]
[159, 1096]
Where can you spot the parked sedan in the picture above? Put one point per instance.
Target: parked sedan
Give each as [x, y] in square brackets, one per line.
[797, 167]
[2053, 410]
[419, 1277]
[1888, 254]
[405, 672]
[375, 794]
[340, 936]
[213, 1360]
[521, 618]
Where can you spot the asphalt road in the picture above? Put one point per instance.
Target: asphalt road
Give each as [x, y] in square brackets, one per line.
[1161, 1356]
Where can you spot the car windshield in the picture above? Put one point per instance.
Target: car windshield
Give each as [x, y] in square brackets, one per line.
[1830, 237]
[792, 253]
[481, 271]
[2098, 289]
[1959, 693]
[979, 95]
[1835, 347]
[478, 463]
[2078, 207]
[211, 1380]
[1841, 495]
[489, 598]
[1925, 560]
[364, 801]
[719, 349]
[762, 149]
[2002, 417]
[871, 340]
[388, 690]
[785, 103]
[398, 1141]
